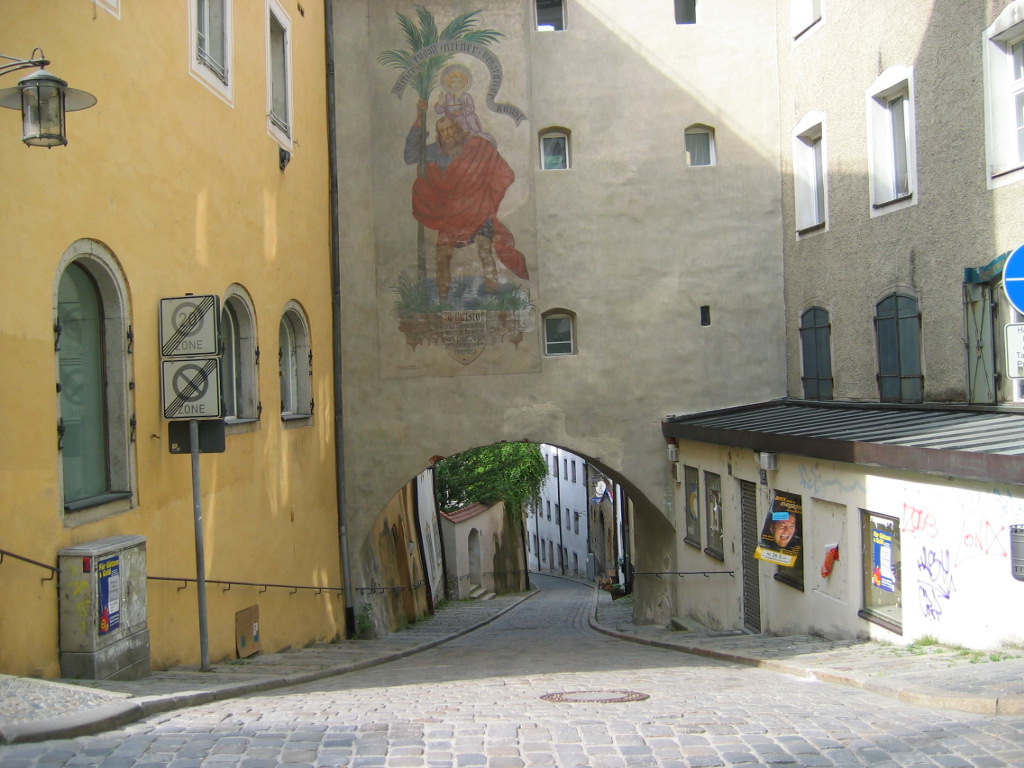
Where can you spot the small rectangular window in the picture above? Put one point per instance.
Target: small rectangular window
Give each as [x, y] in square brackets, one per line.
[280, 107]
[558, 335]
[686, 11]
[700, 147]
[211, 36]
[809, 181]
[555, 152]
[550, 15]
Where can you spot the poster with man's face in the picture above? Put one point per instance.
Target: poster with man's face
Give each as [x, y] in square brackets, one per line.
[781, 537]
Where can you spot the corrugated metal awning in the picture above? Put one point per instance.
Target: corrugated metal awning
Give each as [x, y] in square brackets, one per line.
[966, 442]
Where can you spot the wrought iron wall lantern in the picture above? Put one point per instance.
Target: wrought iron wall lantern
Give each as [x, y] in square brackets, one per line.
[43, 99]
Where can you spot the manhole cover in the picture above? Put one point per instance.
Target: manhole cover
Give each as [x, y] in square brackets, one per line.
[596, 697]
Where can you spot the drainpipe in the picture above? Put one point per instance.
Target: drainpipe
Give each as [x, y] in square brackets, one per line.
[339, 431]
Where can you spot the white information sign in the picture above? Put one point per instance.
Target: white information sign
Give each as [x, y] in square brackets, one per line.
[1015, 350]
[191, 388]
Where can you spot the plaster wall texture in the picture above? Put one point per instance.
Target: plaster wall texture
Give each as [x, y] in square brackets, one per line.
[954, 552]
[954, 223]
[629, 239]
[176, 206]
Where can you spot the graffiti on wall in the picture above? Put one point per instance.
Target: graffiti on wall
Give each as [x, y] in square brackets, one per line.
[945, 548]
[467, 289]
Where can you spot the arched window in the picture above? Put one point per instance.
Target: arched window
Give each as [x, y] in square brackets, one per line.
[898, 335]
[239, 357]
[700, 145]
[559, 332]
[295, 362]
[95, 420]
[816, 348]
[554, 149]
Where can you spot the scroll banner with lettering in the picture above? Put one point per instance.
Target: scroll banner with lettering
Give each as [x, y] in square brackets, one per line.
[781, 536]
[190, 344]
[448, 47]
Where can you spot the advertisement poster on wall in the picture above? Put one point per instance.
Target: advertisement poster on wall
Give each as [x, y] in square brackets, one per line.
[109, 572]
[782, 534]
[882, 574]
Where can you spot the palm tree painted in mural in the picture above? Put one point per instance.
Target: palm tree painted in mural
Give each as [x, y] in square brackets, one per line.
[419, 36]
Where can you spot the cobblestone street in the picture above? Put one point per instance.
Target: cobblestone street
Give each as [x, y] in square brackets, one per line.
[480, 700]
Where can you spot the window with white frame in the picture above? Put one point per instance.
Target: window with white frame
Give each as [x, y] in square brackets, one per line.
[559, 333]
[898, 339]
[93, 359]
[816, 353]
[1003, 66]
[892, 148]
[554, 150]
[239, 358]
[279, 107]
[295, 364]
[804, 14]
[809, 173]
[210, 46]
[700, 145]
[686, 11]
[550, 15]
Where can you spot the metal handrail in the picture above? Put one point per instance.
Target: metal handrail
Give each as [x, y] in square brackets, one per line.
[52, 569]
[228, 584]
[659, 574]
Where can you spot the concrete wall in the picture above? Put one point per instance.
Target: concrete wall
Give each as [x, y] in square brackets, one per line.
[630, 239]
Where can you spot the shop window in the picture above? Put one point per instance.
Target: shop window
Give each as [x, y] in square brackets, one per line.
[713, 514]
[881, 564]
[691, 489]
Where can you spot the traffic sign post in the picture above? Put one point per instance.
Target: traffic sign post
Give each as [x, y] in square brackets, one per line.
[190, 389]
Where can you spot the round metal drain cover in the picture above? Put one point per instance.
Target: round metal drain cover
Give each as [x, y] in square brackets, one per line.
[595, 697]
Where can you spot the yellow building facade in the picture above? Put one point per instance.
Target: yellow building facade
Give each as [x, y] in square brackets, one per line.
[202, 169]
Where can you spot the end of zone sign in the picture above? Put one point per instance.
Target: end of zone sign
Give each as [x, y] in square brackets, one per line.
[190, 344]
[189, 326]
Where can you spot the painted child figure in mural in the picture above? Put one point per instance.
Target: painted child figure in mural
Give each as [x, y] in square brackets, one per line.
[457, 104]
[457, 194]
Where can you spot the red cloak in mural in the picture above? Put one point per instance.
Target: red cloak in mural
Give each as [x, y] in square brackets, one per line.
[459, 201]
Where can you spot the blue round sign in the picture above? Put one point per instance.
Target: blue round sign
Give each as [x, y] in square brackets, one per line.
[1013, 279]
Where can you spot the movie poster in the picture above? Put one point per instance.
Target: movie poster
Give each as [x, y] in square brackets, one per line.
[782, 535]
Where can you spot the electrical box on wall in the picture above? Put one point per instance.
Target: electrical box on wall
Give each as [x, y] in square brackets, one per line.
[104, 633]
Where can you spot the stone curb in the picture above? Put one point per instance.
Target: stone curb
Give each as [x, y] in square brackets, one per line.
[982, 704]
[109, 716]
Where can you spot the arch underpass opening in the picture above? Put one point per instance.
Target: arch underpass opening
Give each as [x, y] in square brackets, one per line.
[478, 523]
